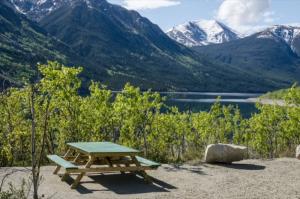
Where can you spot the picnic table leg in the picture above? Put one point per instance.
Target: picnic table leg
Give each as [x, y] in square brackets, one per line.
[64, 177]
[56, 170]
[58, 167]
[79, 177]
[128, 165]
[142, 172]
[108, 161]
[111, 164]
[77, 157]
[122, 172]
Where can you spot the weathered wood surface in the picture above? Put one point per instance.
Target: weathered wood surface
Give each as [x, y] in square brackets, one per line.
[62, 162]
[102, 157]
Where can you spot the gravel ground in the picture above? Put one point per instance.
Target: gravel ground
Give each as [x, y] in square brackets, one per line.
[259, 179]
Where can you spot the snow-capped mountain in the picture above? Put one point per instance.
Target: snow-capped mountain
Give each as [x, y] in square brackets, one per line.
[117, 45]
[37, 9]
[202, 32]
[288, 34]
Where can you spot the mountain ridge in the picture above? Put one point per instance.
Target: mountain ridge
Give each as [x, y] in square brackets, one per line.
[23, 44]
[289, 34]
[202, 32]
[149, 54]
[270, 52]
[117, 46]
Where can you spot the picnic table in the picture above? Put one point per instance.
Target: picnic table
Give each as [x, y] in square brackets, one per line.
[101, 157]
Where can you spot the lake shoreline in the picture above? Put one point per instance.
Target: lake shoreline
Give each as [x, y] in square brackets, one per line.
[267, 101]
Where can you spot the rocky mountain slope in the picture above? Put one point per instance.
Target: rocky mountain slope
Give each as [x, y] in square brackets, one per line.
[202, 32]
[288, 34]
[273, 53]
[23, 43]
[116, 46]
[133, 49]
[37, 9]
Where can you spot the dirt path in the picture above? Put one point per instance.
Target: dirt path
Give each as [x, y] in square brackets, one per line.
[278, 178]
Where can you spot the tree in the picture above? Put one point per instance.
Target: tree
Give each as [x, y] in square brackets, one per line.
[136, 111]
[267, 129]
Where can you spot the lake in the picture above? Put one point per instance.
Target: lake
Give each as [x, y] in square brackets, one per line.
[202, 101]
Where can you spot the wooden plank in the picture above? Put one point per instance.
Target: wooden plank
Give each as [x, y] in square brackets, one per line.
[79, 150]
[110, 169]
[103, 148]
[61, 162]
[79, 177]
[77, 158]
[113, 154]
[143, 172]
[109, 161]
[56, 170]
[68, 153]
[58, 167]
[116, 163]
[103, 161]
[147, 162]
[65, 176]
[71, 158]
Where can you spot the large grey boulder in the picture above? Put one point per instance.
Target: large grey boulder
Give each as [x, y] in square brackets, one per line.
[298, 152]
[224, 153]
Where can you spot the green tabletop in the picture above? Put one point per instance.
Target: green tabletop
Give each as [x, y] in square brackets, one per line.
[105, 148]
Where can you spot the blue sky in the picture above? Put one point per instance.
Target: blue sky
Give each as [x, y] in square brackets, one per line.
[243, 15]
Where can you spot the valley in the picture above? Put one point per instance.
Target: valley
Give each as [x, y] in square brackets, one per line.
[115, 46]
[102, 99]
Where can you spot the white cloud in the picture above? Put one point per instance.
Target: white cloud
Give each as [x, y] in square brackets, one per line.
[269, 17]
[250, 29]
[148, 4]
[245, 14]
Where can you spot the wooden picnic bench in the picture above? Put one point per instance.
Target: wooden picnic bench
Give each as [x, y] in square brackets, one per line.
[101, 157]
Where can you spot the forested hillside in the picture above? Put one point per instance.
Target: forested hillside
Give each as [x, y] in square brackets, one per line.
[23, 43]
[271, 53]
[116, 46]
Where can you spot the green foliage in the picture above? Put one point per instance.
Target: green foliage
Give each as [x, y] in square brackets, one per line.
[279, 94]
[267, 131]
[23, 44]
[134, 118]
[275, 129]
[135, 112]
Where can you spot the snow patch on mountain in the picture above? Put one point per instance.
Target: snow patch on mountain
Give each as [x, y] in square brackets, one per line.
[288, 34]
[202, 32]
[37, 9]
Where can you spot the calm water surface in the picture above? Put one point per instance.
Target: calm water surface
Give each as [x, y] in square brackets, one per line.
[202, 101]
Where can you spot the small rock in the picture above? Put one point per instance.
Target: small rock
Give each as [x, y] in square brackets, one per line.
[298, 152]
[224, 153]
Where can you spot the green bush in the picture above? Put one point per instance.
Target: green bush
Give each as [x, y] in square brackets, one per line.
[134, 118]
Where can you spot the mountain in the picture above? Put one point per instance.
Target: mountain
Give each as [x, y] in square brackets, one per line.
[116, 46]
[23, 44]
[288, 34]
[202, 32]
[133, 49]
[37, 9]
[272, 53]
